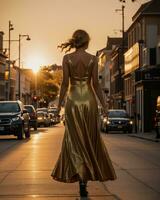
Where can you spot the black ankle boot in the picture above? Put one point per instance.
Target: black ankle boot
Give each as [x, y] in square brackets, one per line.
[83, 191]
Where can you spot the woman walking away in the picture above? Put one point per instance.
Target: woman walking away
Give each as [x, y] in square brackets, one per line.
[83, 156]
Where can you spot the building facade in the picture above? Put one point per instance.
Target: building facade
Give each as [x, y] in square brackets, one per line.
[27, 85]
[105, 69]
[2, 68]
[142, 66]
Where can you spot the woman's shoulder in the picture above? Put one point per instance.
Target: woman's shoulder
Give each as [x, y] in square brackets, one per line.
[87, 55]
[92, 57]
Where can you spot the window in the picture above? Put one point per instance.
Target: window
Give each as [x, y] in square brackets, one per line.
[152, 56]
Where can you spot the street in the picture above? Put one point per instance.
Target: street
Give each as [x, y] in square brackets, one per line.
[25, 168]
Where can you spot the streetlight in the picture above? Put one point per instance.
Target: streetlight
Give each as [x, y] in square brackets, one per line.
[19, 63]
[19, 57]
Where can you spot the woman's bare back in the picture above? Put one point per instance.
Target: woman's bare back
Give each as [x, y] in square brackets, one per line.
[80, 64]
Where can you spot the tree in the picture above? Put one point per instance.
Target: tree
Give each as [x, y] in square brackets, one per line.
[48, 83]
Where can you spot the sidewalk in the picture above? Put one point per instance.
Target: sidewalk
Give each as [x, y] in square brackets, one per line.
[151, 136]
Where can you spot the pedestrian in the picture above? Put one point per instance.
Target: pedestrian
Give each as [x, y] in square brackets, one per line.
[83, 156]
[157, 124]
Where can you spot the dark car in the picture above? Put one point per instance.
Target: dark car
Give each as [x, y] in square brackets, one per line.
[33, 116]
[14, 119]
[117, 120]
[43, 119]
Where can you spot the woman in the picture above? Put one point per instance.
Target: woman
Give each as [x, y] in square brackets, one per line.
[83, 155]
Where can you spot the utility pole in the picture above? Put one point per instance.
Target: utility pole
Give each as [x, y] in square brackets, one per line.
[9, 58]
[19, 63]
[19, 57]
[19, 67]
[121, 68]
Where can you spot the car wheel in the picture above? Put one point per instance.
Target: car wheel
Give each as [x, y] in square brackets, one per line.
[27, 133]
[45, 125]
[35, 127]
[130, 131]
[20, 135]
[124, 131]
[102, 128]
[106, 130]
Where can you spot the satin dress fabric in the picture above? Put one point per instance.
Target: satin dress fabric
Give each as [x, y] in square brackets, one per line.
[83, 153]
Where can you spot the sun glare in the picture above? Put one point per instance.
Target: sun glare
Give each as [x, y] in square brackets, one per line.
[36, 62]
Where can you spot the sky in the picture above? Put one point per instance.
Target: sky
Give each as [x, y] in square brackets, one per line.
[52, 22]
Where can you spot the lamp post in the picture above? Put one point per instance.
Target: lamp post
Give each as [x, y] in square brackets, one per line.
[19, 57]
[19, 63]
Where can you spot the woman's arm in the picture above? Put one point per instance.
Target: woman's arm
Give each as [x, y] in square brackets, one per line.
[65, 82]
[96, 84]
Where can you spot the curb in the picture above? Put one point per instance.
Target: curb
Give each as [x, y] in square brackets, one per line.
[145, 138]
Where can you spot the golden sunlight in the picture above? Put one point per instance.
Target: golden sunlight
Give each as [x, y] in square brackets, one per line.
[35, 62]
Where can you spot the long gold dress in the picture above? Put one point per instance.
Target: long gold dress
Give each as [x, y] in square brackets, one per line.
[83, 154]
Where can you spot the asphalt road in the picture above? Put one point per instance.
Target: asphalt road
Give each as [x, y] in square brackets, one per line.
[25, 168]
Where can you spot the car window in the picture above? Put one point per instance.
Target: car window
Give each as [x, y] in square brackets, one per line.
[53, 110]
[9, 107]
[117, 113]
[40, 114]
[29, 109]
[42, 109]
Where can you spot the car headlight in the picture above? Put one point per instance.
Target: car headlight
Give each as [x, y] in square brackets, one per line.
[104, 120]
[39, 118]
[131, 122]
[15, 118]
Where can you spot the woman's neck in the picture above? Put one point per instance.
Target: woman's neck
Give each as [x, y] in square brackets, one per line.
[82, 49]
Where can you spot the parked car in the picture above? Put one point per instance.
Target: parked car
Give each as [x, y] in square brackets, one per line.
[117, 120]
[43, 119]
[42, 109]
[14, 119]
[33, 116]
[55, 116]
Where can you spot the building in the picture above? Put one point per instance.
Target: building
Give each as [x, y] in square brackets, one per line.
[2, 68]
[27, 85]
[105, 65]
[10, 81]
[142, 66]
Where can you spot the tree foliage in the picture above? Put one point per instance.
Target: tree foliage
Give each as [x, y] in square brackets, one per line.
[48, 83]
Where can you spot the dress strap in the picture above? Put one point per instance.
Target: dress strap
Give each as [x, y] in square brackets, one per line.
[69, 60]
[90, 62]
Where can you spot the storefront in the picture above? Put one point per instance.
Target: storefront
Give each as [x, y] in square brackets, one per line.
[147, 85]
